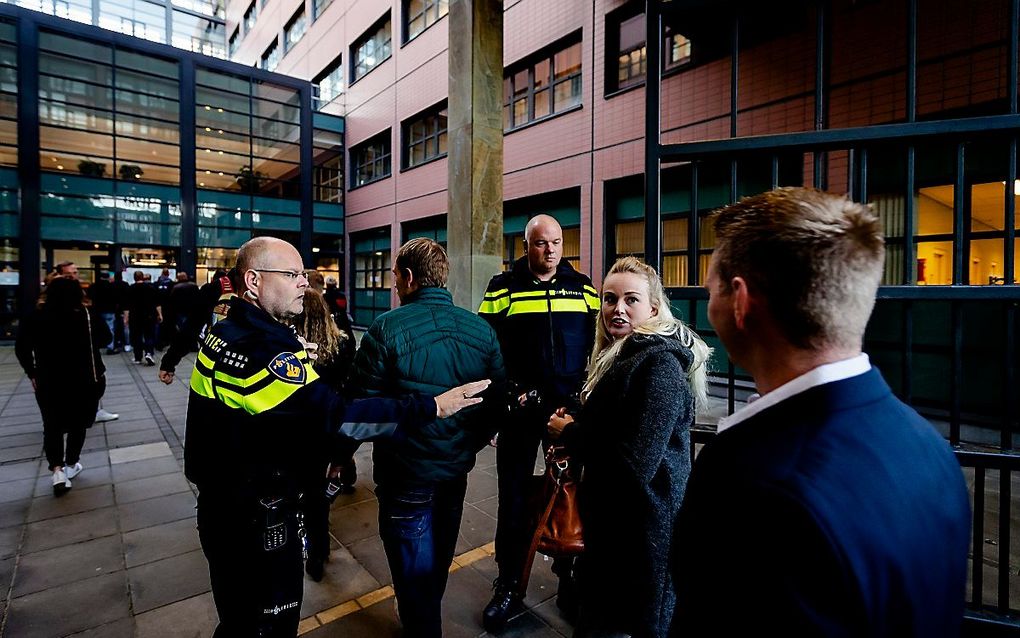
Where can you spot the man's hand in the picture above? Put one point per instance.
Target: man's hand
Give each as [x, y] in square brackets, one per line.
[309, 347]
[166, 376]
[453, 401]
[558, 421]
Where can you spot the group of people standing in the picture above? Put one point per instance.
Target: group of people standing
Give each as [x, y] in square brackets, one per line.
[825, 507]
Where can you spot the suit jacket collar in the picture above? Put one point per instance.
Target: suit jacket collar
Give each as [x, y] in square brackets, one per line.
[829, 397]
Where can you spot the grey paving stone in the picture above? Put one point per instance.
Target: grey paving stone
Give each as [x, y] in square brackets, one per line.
[138, 437]
[377, 621]
[139, 452]
[71, 608]
[6, 573]
[92, 459]
[13, 514]
[467, 594]
[480, 487]
[160, 541]
[16, 490]
[370, 553]
[344, 579]
[123, 628]
[193, 617]
[89, 477]
[10, 539]
[27, 438]
[528, 624]
[167, 581]
[52, 567]
[476, 529]
[490, 506]
[148, 467]
[25, 427]
[133, 425]
[68, 530]
[20, 453]
[486, 457]
[151, 487]
[75, 501]
[156, 511]
[553, 616]
[18, 471]
[355, 522]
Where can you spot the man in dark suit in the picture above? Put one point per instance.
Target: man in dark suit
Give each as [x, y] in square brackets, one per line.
[827, 506]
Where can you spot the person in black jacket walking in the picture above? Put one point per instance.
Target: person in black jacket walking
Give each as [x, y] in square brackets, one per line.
[143, 314]
[543, 312]
[58, 347]
[423, 346]
[632, 435]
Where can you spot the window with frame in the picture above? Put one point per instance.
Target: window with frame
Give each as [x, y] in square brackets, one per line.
[542, 87]
[372, 275]
[250, 16]
[294, 29]
[233, 43]
[370, 160]
[424, 137]
[627, 55]
[329, 83]
[422, 14]
[318, 6]
[271, 57]
[371, 49]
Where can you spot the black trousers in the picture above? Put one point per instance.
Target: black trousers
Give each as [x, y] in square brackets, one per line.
[143, 336]
[516, 453]
[257, 591]
[70, 409]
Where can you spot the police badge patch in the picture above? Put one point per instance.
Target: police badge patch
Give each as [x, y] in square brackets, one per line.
[286, 367]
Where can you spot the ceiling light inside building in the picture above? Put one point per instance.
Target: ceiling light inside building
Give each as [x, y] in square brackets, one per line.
[315, 249]
[60, 167]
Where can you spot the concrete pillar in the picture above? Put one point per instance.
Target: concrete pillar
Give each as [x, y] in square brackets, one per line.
[475, 124]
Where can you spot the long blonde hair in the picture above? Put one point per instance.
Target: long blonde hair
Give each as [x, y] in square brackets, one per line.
[606, 349]
[316, 325]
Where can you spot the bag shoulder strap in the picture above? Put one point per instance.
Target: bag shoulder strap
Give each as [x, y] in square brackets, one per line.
[92, 347]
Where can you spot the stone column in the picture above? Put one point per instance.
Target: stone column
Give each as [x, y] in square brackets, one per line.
[475, 124]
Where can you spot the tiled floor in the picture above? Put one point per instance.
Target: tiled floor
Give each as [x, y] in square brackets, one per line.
[119, 555]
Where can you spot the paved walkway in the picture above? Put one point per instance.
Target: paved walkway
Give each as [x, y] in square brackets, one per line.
[119, 554]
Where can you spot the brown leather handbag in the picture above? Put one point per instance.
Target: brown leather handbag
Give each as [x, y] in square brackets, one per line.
[556, 518]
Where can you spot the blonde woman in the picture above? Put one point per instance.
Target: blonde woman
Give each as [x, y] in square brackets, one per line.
[632, 433]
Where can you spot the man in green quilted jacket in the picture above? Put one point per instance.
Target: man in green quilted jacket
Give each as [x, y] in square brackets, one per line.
[426, 345]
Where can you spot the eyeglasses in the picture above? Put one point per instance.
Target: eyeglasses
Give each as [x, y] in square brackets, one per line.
[289, 275]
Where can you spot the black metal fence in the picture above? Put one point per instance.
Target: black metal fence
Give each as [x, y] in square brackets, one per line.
[944, 328]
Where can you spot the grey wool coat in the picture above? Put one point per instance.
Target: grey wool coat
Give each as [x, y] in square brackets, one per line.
[633, 436]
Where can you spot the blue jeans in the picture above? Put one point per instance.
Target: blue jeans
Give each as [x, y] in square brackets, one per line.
[419, 527]
[108, 318]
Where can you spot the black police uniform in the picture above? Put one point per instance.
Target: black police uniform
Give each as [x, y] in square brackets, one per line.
[546, 331]
[256, 417]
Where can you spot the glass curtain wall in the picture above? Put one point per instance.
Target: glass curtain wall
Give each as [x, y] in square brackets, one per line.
[195, 25]
[9, 230]
[247, 159]
[328, 195]
[109, 144]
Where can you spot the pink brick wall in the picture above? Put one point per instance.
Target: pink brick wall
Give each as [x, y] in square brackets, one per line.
[603, 140]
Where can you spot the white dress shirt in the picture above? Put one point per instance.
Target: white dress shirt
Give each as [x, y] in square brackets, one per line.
[835, 371]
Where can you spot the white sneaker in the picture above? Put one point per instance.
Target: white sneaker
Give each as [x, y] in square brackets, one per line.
[73, 470]
[127, 348]
[149, 360]
[61, 484]
[103, 416]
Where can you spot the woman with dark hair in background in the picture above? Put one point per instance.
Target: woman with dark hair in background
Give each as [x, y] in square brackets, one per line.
[632, 434]
[58, 347]
[334, 353]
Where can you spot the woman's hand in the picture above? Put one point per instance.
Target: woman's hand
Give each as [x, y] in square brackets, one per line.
[558, 421]
[455, 400]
